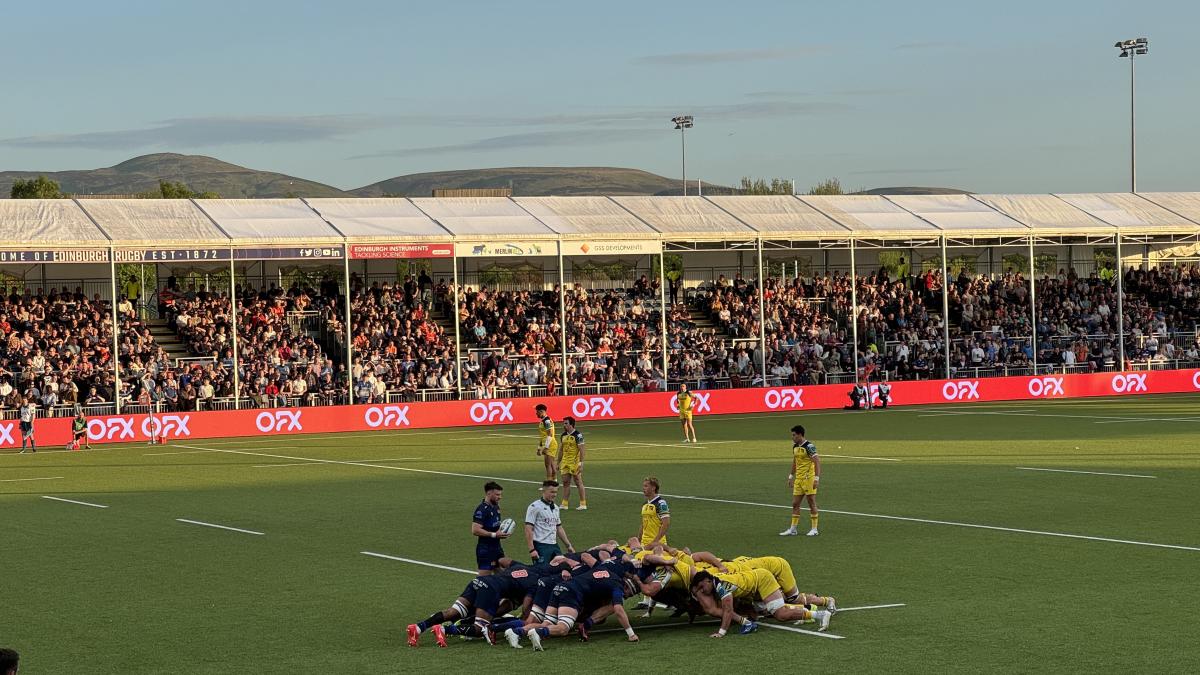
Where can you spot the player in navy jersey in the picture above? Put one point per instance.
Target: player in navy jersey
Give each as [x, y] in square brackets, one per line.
[603, 590]
[486, 526]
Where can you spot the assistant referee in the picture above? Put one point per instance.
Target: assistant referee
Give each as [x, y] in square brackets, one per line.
[543, 528]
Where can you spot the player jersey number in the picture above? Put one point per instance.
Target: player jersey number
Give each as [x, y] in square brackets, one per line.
[600, 574]
[519, 574]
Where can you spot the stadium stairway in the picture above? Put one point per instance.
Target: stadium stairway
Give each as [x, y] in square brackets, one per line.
[167, 339]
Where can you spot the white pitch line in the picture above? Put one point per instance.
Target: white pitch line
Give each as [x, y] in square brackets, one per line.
[73, 501]
[1093, 473]
[19, 480]
[183, 452]
[791, 629]
[1109, 419]
[715, 442]
[658, 445]
[856, 609]
[733, 501]
[419, 562]
[878, 459]
[219, 527]
[387, 459]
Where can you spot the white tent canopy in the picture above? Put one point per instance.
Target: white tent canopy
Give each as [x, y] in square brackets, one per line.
[372, 219]
[57, 222]
[592, 216]
[685, 216]
[153, 222]
[269, 221]
[871, 215]
[133, 223]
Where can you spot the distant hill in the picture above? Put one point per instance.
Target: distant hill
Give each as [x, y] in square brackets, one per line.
[200, 173]
[913, 191]
[531, 181]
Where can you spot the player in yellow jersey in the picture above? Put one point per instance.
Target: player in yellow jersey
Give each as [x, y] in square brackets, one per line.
[779, 568]
[570, 463]
[717, 594]
[547, 443]
[684, 400]
[805, 475]
[656, 515]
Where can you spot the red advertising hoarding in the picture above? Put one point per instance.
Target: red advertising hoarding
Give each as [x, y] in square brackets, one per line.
[401, 416]
[400, 251]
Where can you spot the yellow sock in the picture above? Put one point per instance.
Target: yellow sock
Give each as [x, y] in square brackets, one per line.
[807, 613]
[583, 502]
[795, 521]
[566, 503]
[812, 517]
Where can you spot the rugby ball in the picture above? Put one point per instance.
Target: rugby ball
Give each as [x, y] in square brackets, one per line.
[507, 526]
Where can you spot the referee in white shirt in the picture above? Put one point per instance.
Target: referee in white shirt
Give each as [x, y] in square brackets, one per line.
[543, 528]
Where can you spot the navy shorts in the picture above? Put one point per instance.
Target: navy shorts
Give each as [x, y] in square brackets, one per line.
[472, 590]
[26, 428]
[488, 559]
[545, 586]
[487, 598]
[566, 596]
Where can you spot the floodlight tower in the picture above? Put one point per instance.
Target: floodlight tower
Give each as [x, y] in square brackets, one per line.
[682, 123]
[1129, 50]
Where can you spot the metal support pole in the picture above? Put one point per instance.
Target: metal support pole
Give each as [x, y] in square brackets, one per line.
[116, 342]
[456, 297]
[1120, 305]
[683, 147]
[349, 329]
[1132, 129]
[945, 309]
[762, 314]
[1033, 305]
[854, 309]
[662, 291]
[233, 314]
[562, 316]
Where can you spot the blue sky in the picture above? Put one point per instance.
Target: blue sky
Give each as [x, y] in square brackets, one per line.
[1012, 96]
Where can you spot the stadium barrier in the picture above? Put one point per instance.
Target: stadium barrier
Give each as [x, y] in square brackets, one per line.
[591, 407]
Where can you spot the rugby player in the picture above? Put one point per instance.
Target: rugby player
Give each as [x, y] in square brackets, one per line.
[805, 475]
[486, 526]
[570, 463]
[718, 592]
[547, 443]
[604, 587]
[684, 400]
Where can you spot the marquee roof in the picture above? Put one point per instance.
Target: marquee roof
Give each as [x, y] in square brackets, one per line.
[100, 223]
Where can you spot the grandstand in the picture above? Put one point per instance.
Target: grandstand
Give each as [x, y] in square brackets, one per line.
[223, 304]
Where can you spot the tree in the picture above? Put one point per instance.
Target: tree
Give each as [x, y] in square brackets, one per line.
[36, 188]
[177, 190]
[759, 186]
[829, 186]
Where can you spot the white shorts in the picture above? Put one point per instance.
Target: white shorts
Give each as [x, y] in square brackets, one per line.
[770, 607]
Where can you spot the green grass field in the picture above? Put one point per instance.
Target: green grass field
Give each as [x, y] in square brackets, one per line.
[130, 589]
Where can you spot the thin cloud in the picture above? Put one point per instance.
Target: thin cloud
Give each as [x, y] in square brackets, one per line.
[779, 93]
[912, 46]
[633, 116]
[537, 139]
[730, 56]
[196, 132]
[867, 92]
[883, 172]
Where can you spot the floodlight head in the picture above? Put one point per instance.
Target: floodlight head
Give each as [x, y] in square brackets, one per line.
[682, 121]
[1142, 41]
[1123, 54]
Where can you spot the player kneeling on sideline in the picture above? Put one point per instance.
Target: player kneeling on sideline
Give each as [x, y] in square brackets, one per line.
[605, 588]
[717, 593]
[79, 432]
